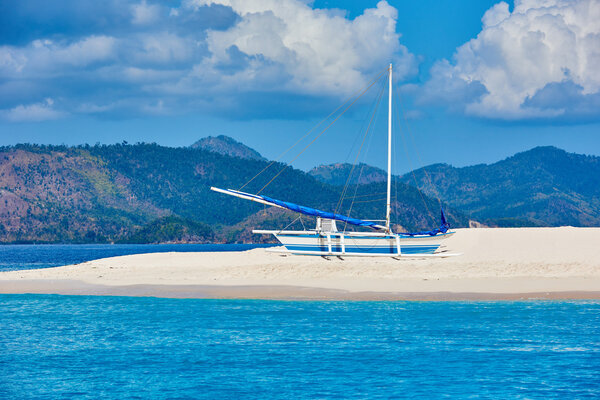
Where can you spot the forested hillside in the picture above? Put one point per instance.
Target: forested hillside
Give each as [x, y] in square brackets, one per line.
[544, 186]
[146, 193]
[151, 193]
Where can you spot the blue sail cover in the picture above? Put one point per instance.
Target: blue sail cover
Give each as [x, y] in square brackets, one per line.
[323, 214]
[444, 226]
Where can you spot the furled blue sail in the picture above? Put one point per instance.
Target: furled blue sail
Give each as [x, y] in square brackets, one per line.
[298, 208]
[323, 214]
[444, 226]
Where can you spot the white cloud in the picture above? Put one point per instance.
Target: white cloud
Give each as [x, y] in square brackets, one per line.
[46, 56]
[208, 55]
[164, 47]
[144, 14]
[518, 54]
[314, 51]
[32, 112]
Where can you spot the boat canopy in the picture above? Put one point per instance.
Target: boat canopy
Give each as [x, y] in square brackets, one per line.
[299, 209]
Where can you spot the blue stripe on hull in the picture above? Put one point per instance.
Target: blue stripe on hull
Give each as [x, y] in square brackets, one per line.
[336, 235]
[367, 250]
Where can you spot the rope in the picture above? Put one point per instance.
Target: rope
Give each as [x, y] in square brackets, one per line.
[437, 195]
[309, 132]
[363, 167]
[370, 194]
[347, 183]
[319, 135]
[291, 223]
[371, 201]
[412, 170]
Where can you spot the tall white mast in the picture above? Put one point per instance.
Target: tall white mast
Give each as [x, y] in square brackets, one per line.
[389, 169]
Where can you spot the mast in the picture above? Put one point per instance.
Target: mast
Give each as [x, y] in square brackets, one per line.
[389, 164]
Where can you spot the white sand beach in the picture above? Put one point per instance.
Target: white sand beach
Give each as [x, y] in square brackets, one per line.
[507, 263]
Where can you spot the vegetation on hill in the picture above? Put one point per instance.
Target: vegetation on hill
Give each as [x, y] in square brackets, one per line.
[337, 174]
[150, 193]
[172, 229]
[146, 193]
[544, 186]
[227, 146]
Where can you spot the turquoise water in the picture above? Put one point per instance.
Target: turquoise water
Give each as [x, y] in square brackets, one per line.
[18, 257]
[124, 348]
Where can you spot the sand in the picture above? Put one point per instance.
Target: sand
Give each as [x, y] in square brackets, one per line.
[508, 263]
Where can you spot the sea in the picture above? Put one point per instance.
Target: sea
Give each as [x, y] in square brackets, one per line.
[33, 256]
[91, 347]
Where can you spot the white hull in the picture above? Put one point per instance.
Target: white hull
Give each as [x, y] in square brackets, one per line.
[357, 243]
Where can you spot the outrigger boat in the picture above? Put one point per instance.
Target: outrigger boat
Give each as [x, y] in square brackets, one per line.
[326, 240]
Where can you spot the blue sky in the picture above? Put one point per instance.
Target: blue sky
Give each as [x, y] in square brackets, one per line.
[478, 80]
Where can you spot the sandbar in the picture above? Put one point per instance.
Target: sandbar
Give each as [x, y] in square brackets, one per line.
[495, 264]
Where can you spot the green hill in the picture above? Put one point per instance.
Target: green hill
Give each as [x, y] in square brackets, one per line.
[337, 174]
[228, 146]
[544, 186]
[124, 192]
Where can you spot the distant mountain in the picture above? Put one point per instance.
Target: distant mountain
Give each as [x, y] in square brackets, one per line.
[227, 146]
[540, 187]
[149, 193]
[146, 193]
[337, 174]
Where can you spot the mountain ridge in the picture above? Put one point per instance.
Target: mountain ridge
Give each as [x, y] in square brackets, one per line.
[151, 193]
[538, 187]
[337, 174]
[115, 193]
[228, 146]
[542, 186]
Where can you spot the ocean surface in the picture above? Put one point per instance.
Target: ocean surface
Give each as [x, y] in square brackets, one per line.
[17, 257]
[85, 347]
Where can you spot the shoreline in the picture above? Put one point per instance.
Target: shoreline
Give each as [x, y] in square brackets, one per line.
[278, 293]
[497, 264]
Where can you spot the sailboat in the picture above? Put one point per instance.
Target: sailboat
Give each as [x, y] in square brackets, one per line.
[327, 240]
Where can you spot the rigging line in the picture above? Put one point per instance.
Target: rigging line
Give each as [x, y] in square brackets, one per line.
[412, 170]
[369, 140]
[366, 152]
[319, 135]
[359, 131]
[288, 225]
[405, 147]
[363, 166]
[437, 195]
[346, 185]
[395, 211]
[368, 195]
[310, 131]
[433, 187]
[371, 201]
[356, 139]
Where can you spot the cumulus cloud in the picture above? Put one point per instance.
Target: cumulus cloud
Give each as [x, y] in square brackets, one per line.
[520, 57]
[311, 50]
[144, 13]
[43, 56]
[198, 55]
[42, 111]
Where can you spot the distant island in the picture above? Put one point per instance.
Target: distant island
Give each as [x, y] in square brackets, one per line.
[146, 193]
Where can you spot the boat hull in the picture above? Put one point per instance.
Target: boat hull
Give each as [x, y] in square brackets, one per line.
[349, 244]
